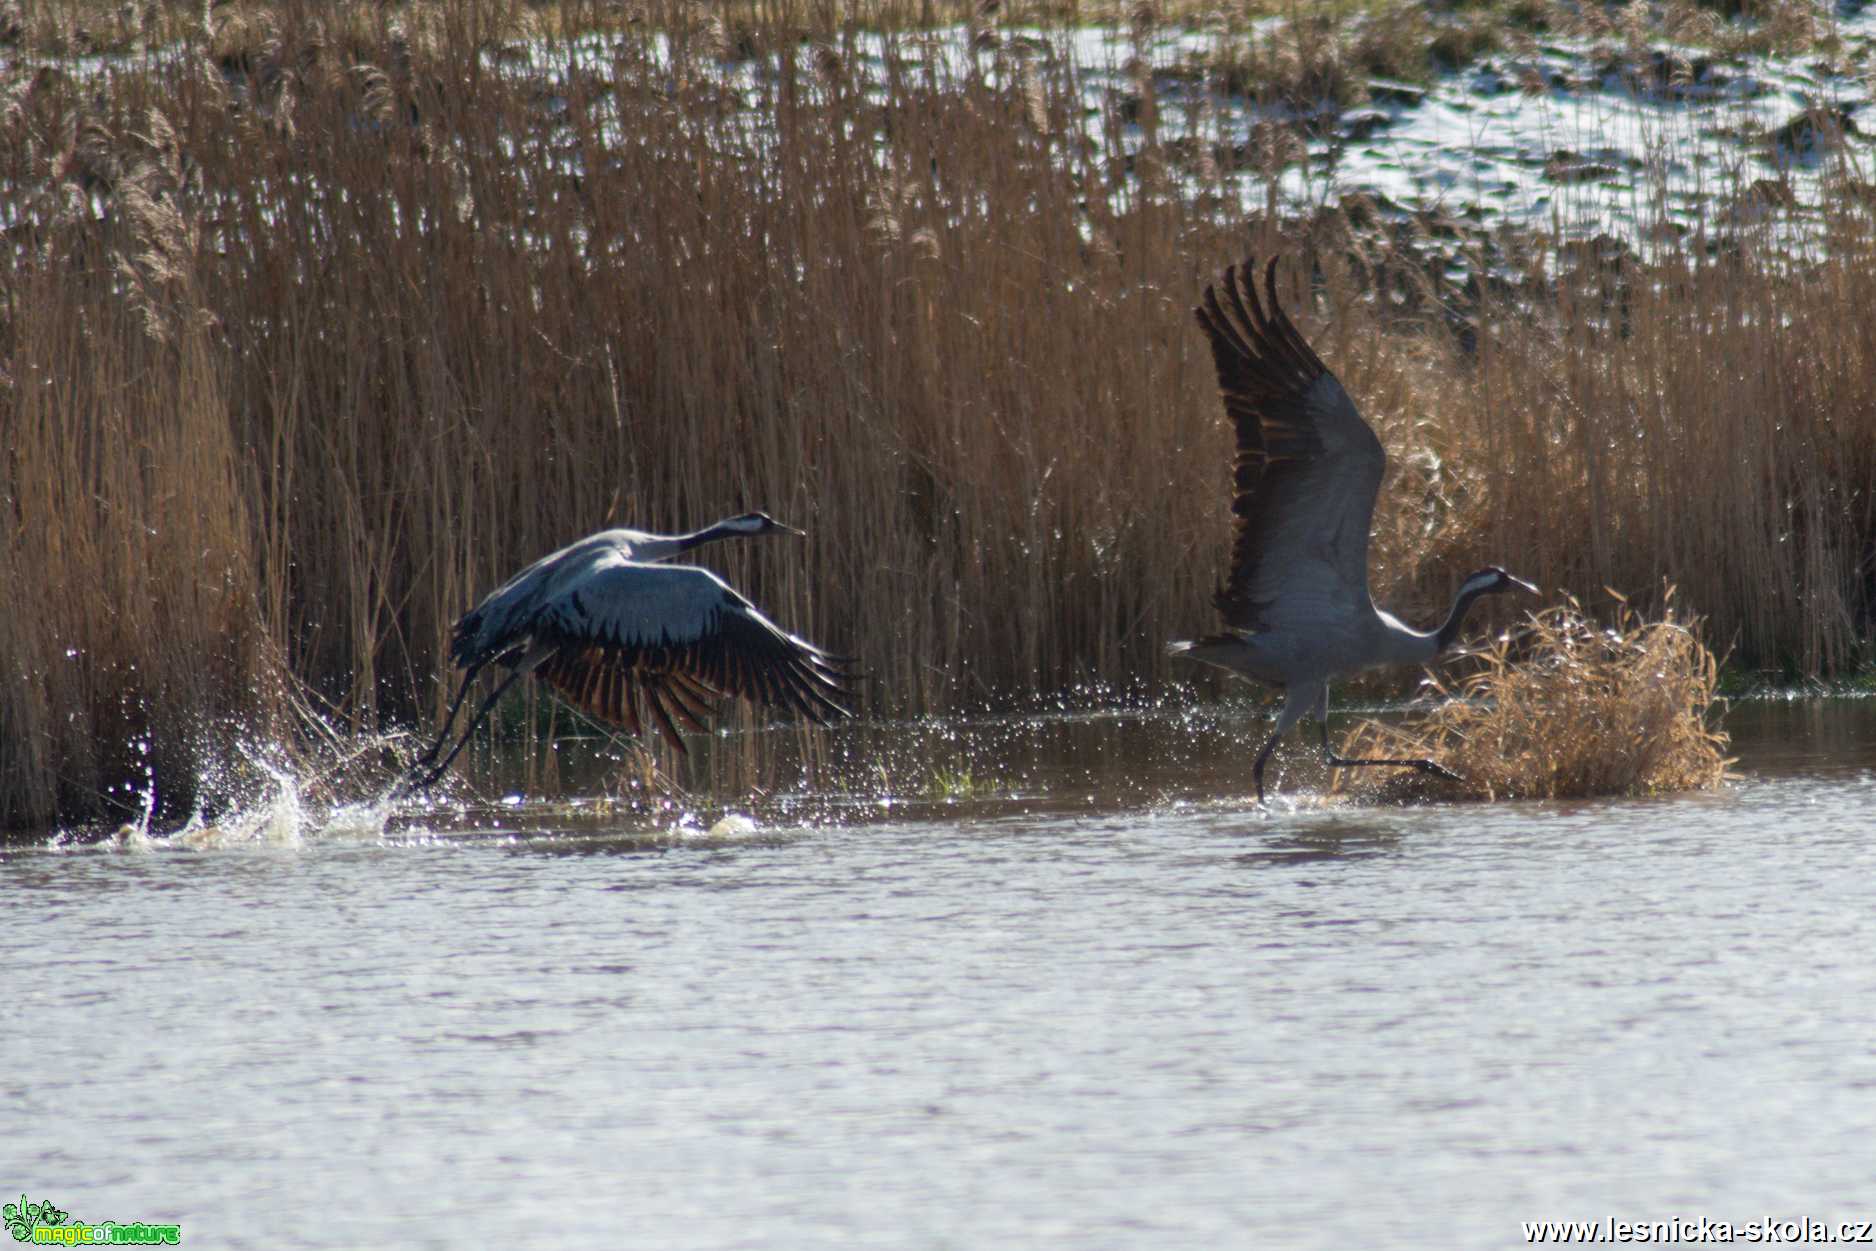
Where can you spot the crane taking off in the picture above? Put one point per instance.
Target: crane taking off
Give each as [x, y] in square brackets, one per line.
[1295, 603]
[608, 627]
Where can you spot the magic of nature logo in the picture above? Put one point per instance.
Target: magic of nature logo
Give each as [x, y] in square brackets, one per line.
[44, 1224]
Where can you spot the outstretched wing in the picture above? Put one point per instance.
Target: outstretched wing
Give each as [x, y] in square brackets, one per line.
[1307, 465]
[503, 619]
[675, 639]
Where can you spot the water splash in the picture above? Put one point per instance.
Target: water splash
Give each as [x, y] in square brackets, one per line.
[257, 798]
[733, 825]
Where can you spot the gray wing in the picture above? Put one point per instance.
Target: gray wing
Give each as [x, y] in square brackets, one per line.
[1307, 465]
[675, 638]
[507, 614]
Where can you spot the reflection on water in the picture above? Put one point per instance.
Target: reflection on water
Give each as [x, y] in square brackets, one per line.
[1804, 736]
[960, 773]
[1089, 996]
[1353, 839]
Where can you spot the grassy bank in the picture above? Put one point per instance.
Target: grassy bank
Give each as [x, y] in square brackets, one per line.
[317, 321]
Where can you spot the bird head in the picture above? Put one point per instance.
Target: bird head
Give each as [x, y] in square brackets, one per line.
[1492, 580]
[759, 523]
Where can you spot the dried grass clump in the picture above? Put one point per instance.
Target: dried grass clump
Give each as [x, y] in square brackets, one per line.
[1562, 708]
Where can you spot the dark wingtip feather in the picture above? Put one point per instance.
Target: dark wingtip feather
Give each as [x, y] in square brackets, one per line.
[666, 726]
[1269, 380]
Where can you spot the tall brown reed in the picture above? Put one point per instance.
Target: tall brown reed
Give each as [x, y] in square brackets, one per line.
[130, 633]
[318, 323]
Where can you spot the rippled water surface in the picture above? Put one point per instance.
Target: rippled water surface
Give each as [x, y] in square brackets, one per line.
[1088, 1005]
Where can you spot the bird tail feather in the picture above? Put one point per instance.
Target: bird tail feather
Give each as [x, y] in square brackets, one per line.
[1226, 651]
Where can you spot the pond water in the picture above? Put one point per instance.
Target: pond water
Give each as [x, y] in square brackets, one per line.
[1085, 1004]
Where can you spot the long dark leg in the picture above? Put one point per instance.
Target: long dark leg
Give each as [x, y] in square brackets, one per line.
[1352, 762]
[455, 706]
[1296, 700]
[481, 712]
[1263, 758]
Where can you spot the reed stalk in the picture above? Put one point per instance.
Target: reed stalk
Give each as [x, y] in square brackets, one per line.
[316, 321]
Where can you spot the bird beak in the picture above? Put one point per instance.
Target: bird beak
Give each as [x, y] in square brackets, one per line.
[800, 534]
[1522, 585]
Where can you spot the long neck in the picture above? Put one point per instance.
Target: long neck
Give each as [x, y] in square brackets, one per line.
[1448, 632]
[665, 546]
[709, 534]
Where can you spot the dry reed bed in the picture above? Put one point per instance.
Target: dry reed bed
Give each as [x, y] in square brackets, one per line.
[1561, 707]
[311, 332]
